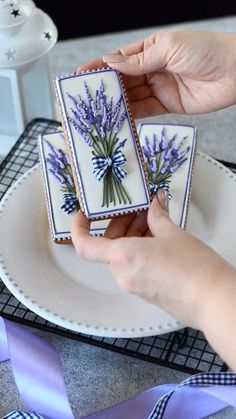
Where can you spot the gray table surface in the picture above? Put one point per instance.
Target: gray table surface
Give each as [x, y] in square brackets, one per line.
[96, 378]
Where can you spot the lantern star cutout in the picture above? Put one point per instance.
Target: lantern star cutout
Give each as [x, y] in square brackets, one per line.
[15, 12]
[11, 54]
[48, 35]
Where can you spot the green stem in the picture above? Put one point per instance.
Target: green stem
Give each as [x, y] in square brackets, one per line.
[122, 191]
[162, 179]
[104, 192]
[113, 144]
[109, 139]
[107, 192]
[113, 197]
[158, 160]
[96, 143]
[117, 192]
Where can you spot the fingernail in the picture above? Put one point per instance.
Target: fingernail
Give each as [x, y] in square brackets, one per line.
[114, 58]
[163, 198]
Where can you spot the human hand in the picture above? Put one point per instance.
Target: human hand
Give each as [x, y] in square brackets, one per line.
[171, 268]
[177, 71]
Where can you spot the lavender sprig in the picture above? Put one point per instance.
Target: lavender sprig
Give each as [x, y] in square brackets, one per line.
[163, 158]
[120, 122]
[98, 120]
[60, 169]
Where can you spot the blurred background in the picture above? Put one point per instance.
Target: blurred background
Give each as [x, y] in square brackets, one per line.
[76, 18]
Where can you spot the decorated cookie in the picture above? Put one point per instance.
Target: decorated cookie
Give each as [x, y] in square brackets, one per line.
[107, 162]
[59, 188]
[169, 150]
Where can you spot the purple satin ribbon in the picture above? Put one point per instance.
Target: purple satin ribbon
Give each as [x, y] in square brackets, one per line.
[38, 375]
[37, 371]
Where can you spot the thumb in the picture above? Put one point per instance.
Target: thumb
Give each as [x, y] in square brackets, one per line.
[158, 216]
[145, 61]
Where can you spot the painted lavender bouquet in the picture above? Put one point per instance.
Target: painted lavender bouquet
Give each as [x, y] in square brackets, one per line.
[99, 121]
[59, 167]
[163, 157]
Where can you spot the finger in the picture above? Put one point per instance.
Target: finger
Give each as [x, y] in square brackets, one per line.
[88, 247]
[94, 64]
[133, 81]
[147, 61]
[147, 107]
[139, 92]
[139, 225]
[148, 233]
[158, 217]
[130, 49]
[118, 226]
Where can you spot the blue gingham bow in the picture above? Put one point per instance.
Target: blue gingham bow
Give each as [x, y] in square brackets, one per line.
[102, 164]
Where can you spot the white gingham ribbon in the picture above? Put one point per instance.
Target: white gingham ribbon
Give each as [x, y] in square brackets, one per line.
[198, 380]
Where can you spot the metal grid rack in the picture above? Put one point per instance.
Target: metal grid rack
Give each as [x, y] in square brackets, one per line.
[185, 350]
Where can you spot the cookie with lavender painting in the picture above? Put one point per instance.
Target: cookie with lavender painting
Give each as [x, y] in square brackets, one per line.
[107, 161]
[169, 151]
[59, 188]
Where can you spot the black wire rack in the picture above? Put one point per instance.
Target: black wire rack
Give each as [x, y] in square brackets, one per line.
[185, 350]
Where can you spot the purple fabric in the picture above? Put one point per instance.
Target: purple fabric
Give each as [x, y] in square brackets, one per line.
[191, 403]
[37, 371]
[39, 378]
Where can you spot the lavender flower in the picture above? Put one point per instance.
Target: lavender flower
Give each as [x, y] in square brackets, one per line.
[163, 139]
[116, 110]
[94, 109]
[53, 149]
[83, 123]
[162, 159]
[150, 151]
[60, 169]
[167, 153]
[98, 120]
[102, 132]
[153, 166]
[59, 178]
[88, 95]
[120, 122]
[122, 143]
[97, 100]
[155, 145]
[81, 132]
[75, 102]
[82, 107]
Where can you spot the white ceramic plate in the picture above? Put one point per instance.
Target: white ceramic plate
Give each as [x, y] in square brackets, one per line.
[83, 296]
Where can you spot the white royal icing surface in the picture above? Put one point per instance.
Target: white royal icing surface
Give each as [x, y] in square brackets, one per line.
[91, 189]
[181, 178]
[59, 221]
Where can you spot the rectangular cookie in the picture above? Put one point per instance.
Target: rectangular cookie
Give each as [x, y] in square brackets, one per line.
[107, 161]
[169, 151]
[59, 188]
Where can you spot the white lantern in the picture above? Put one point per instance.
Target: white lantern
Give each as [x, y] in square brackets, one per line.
[27, 34]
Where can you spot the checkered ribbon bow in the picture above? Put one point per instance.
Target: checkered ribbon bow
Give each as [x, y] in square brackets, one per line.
[70, 202]
[154, 188]
[102, 164]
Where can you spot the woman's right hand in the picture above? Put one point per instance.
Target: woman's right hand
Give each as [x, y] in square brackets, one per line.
[177, 71]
